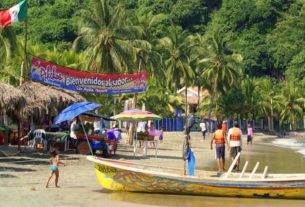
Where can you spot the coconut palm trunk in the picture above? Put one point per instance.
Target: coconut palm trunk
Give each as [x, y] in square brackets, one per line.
[212, 103]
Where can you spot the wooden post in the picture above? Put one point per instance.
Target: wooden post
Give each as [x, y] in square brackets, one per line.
[254, 170]
[265, 172]
[186, 105]
[244, 170]
[231, 167]
[24, 63]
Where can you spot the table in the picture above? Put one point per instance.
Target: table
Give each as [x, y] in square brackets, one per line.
[156, 142]
[58, 137]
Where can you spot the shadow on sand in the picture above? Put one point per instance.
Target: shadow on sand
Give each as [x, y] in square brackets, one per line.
[15, 169]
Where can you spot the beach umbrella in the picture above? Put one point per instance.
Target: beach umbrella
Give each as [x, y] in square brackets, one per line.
[136, 115]
[76, 110]
[94, 116]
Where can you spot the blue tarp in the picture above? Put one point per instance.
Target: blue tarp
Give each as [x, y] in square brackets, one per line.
[191, 163]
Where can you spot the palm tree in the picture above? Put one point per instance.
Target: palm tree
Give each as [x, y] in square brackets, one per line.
[67, 58]
[251, 96]
[145, 54]
[106, 35]
[7, 44]
[167, 100]
[268, 102]
[197, 46]
[292, 102]
[222, 69]
[176, 61]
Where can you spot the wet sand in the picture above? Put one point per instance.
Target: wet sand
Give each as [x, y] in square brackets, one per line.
[23, 178]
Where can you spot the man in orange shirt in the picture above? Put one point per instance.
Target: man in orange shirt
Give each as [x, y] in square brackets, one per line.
[220, 141]
[235, 140]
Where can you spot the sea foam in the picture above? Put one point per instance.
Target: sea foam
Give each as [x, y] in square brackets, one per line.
[296, 144]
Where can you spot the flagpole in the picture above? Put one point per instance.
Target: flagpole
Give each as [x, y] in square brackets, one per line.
[23, 68]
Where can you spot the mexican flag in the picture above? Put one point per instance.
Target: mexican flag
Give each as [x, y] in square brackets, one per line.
[14, 14]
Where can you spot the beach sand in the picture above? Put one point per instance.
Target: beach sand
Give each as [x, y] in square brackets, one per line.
[23, 177]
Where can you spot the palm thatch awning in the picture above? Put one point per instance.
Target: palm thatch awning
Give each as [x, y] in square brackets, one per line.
[44, 99]
[12, 100]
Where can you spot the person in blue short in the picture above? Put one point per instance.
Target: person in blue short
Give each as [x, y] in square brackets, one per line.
[161, 135]
[220, 142]
[54, 163]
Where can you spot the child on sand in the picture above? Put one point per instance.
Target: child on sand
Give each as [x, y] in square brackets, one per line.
[54, 163]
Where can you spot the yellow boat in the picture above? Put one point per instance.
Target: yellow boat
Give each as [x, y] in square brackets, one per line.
[128, 176]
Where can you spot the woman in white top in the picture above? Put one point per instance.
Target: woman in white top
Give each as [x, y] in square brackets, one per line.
[74, 128]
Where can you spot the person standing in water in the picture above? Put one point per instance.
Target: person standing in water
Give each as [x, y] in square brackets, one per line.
[203, 129]
[54, 163]
[250, 134]
[235, 139]
[220, 141]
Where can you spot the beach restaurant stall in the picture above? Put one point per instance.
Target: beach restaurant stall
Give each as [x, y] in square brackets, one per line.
[42, 102]
[12, 103]
[47, 100]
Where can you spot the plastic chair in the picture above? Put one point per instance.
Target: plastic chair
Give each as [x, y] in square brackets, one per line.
[39, 135]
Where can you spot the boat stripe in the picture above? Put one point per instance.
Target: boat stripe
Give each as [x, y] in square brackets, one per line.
[237, 185]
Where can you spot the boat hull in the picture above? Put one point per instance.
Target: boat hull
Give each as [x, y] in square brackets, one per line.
[120, 179]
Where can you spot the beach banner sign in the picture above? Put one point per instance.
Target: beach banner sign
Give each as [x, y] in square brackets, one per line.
[85, 82]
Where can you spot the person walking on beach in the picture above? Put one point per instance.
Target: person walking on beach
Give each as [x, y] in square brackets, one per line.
[220, 141]
[54, 163]
[161, 135]
[250, 134]
[203, 129]
[74, 128]
[235, 138]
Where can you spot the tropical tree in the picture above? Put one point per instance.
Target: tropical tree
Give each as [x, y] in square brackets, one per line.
[145, 53]
[8, 44]
[268, 101]
[167, 100]
[223, 69]
[251, 97]
[197, 46]
[176, 60]
[292, 102]
[106, 34]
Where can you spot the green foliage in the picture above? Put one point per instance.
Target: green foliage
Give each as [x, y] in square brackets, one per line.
[212, 44]
[190, 14]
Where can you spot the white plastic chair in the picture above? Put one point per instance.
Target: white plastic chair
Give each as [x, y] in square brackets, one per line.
[39, 135]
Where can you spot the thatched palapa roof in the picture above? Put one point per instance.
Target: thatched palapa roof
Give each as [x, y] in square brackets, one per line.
[12, 100]
[47, 99]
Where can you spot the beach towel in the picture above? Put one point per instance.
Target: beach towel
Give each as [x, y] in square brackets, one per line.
[191, 163]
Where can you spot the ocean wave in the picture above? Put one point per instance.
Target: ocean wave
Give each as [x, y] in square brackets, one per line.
[297, 145]
[302, 152]
[291, 143]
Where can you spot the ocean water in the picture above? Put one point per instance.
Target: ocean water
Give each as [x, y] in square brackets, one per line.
[296, 144]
